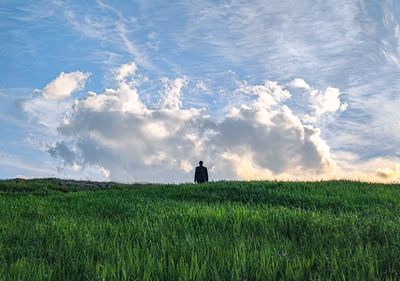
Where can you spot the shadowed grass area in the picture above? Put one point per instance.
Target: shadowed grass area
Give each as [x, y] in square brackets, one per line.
[334, 230]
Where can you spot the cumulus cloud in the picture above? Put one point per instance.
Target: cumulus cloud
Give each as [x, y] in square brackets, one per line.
[269, 94]
[125, 71]
[300, 84]
[129, 141]
[51, 103]
[65, 84]
[314, 104]
[327, 101]
[60, 150]
[272, 136]
[45, 112]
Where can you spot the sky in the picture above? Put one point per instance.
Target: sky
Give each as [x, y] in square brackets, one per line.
[140, 91]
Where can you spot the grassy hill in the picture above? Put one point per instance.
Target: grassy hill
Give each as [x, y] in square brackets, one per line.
[64, 230]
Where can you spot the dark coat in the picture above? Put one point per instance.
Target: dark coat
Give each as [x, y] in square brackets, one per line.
[201, 174]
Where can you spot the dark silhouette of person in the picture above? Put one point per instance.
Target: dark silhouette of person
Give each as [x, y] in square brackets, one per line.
[201, 174]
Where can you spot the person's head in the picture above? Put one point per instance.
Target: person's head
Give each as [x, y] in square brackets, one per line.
[201, 163]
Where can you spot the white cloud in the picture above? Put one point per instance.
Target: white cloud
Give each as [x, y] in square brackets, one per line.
[125, 71]
[300, 84]
[65, 84]
[105, 173]
[130, 141]
[46, 112]
[327, 101]
[278, 140]
[51, 103]
[269, 94]
[117, 136]
[171, 96]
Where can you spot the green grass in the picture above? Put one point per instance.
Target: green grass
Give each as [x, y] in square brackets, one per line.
[335, 230]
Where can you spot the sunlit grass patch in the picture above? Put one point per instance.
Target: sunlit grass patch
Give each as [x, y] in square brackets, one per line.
[335, 230]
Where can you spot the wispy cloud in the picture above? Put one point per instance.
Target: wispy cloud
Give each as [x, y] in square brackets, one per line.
[278, 38]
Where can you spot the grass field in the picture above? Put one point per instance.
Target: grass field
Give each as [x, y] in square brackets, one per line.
[335, 230]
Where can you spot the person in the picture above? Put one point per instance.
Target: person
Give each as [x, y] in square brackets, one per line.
[201, 174]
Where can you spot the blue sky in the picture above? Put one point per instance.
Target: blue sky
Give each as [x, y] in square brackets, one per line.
[143, 90]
